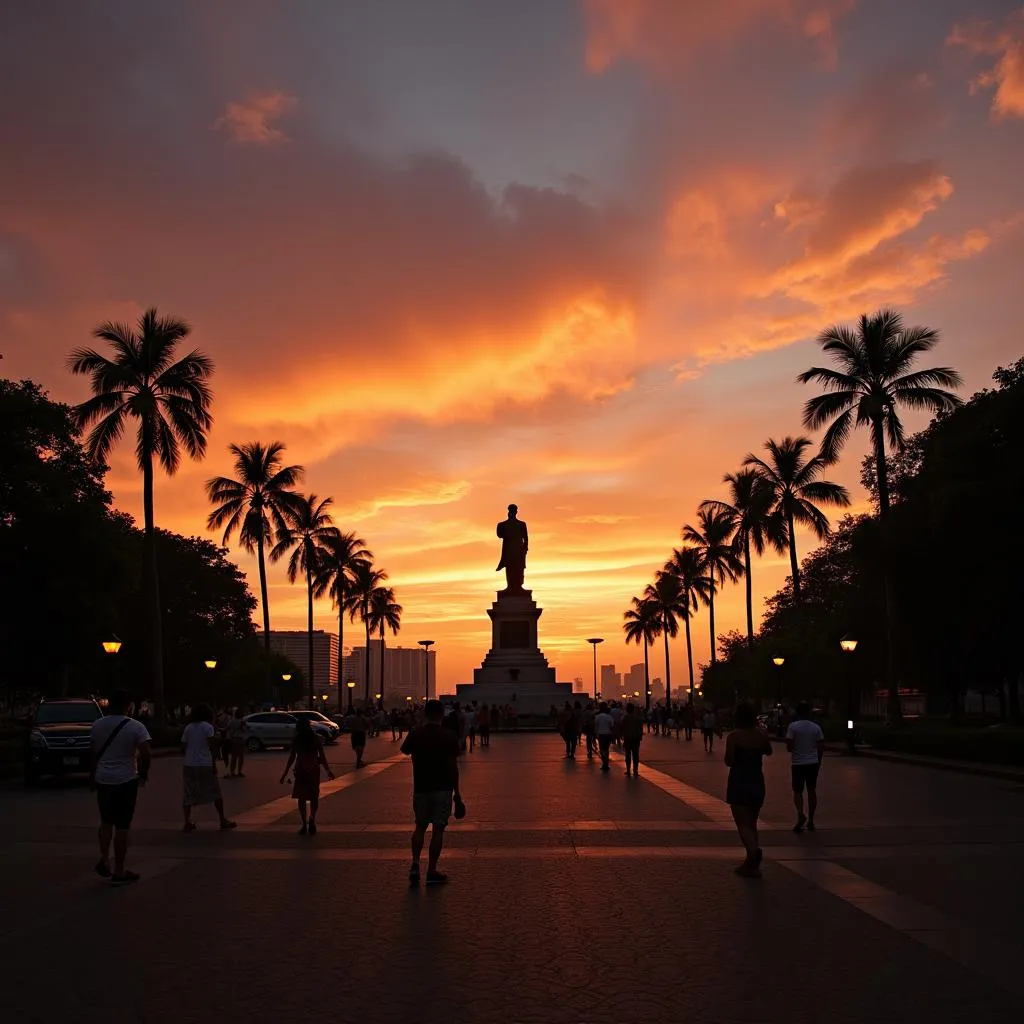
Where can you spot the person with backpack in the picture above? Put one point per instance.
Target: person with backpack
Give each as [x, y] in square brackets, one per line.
[120, 765]
[307, 755]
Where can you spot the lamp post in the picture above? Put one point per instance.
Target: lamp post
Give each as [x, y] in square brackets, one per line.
[286, 677]
[351, 684]
[848, 645]
[778, 661]
[595, 640]
[112, 646]
[426, 645]
[211, 665]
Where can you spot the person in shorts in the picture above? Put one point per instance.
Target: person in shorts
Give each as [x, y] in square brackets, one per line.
[604, 729]
[236, 740]
[708, 724]
[806, 744]
[120, 764]
[435, 784]
[484, 725]
[199, 769]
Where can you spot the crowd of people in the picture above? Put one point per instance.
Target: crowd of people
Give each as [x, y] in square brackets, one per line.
[435, 740]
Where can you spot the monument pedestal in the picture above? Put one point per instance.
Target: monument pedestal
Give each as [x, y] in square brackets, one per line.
[515, 670]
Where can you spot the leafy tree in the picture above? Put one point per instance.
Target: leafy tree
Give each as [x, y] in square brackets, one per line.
[872, 379]
[666, 597]
[713, 538]
[797, 491]
[687, 565]
[308, 530]
[641, 626]
[63, 557]
[254, 503]
[365, 580]
[385, 613]
[752, 521]
[170, 402]
[341, 557]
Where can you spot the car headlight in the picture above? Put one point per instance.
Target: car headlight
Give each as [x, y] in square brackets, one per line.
[36, 739]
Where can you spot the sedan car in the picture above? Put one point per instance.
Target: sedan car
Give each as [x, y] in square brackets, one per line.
[327, 730]
[277, 729]
[59, 738]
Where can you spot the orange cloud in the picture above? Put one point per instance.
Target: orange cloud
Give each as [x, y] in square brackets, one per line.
[665, 33]
[251, 120]
[1006, 44]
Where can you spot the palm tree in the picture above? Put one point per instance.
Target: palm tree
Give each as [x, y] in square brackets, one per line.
[665, 595]
[337, 574]
[713, 539]
[384, 613]
[254, 502]
[642, 624]
[793, 479]
[873, 380]
[308, 531]
[687, 566]
[365, 580]
[753, 521]
[170, 402]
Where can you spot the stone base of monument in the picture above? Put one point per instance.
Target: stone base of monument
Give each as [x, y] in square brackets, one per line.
[515, 670]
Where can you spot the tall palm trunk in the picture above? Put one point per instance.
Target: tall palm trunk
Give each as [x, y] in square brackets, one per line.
[366, 673]
[750, 594]
[711, 617]
[689, 654]
[262, 564]
[341, 645]
[309, 625]
[888, 598]
[151, 577]
[647, 679]
[381, 698]
[794, 565]
[668, 672]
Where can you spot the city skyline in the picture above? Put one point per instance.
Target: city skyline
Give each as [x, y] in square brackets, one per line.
[568, 254]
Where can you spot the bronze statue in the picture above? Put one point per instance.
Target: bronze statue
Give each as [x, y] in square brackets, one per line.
[515, 542]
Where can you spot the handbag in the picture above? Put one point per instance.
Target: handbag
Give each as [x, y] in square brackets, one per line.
[106, 746]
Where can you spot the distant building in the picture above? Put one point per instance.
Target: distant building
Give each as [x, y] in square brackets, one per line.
[633, 680]
[294, 645]
[407, 672]
[657, 690]
[611, 682]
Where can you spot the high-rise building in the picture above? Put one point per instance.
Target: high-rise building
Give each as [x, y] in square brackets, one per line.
[657, 690]
[294, 645]
[408, 672]
[611, 682]
[633, 680]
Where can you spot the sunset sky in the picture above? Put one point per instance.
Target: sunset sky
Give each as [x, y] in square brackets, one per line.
[457, 253]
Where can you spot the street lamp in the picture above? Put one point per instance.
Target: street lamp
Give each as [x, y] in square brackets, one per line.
[595, 640]
[112, 646]
[286, 677]
[778, 661]
[211, 664]
[848, 645]
[426, 645]
[351, 684]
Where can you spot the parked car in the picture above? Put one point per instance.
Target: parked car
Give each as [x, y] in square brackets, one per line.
[58, 738]
[320, 722]
[277, 729]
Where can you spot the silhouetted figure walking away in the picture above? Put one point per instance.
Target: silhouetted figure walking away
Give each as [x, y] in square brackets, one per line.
[307, 754]
[708, 723]
[435, 783]
[806, 745]
[604, 727]
[745, 747]
[632, 734]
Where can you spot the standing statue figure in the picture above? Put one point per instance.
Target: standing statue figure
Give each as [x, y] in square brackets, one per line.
[515, 542]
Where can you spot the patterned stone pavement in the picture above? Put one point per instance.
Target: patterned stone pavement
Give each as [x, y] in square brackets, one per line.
[576, 896]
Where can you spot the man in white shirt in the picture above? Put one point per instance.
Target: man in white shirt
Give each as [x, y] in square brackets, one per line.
[806, 744]
[604, 728]
[120, 764]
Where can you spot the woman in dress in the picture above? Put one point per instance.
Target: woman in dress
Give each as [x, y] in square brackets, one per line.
[199, 772]
[745, 746]
[307, 755]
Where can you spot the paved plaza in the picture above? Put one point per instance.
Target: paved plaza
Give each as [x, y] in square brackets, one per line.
[575, 896]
